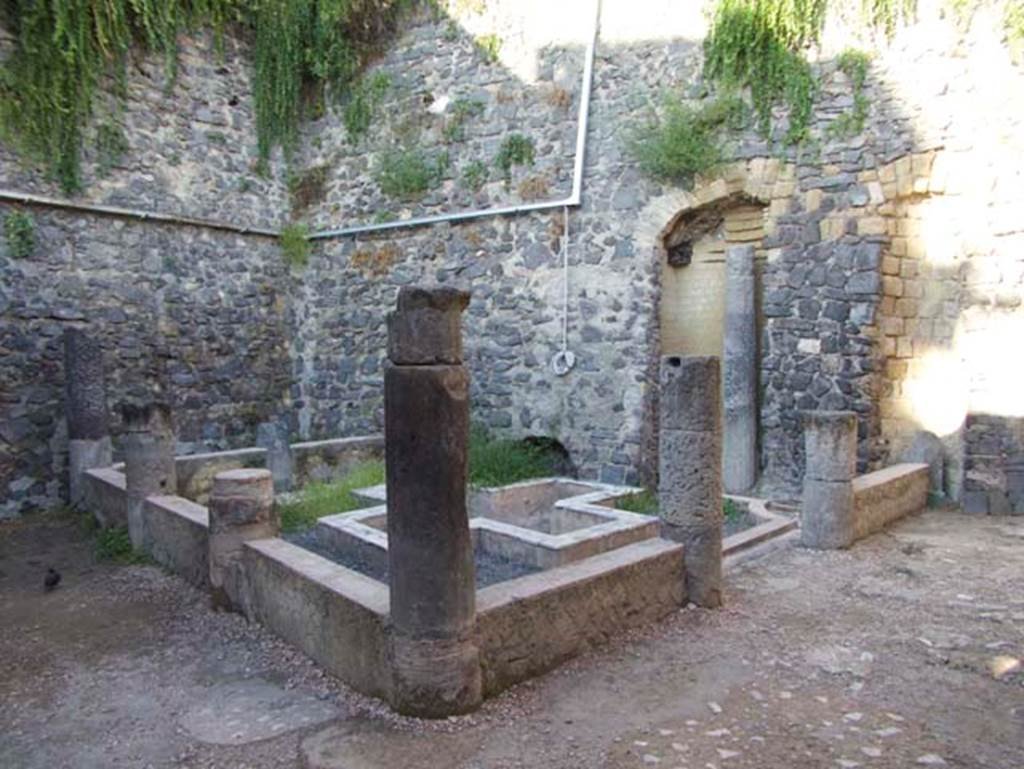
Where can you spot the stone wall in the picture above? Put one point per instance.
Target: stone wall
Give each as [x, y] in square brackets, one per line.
[199, 316]
[892, 271]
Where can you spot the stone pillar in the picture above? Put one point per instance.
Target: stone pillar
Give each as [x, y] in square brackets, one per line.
[739, 369]
[273, 437]
[430, 550]
[690, 470]
[87, 415]
[148, 463]
[241, 508]
[830, 440]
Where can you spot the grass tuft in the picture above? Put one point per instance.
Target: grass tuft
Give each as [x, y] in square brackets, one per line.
[319, 499]
[646, 503]
[499, 462]
[115, 545]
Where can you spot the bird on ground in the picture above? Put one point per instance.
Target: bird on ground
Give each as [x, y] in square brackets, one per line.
[51, 580]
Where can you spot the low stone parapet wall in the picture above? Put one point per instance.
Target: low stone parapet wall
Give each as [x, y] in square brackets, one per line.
[314, 461]
[106, 496]
[884, 496]
[530, 625]
[178, 531]
[335, 615]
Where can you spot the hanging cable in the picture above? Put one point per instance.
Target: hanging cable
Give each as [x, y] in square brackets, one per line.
[563, 361]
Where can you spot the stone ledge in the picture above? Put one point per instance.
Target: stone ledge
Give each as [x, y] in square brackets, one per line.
[530, 625]
[178, 533]
[106, 496]
[335, 615]
[881, 497]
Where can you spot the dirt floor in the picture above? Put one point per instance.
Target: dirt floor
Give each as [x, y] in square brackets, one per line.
[903, 652]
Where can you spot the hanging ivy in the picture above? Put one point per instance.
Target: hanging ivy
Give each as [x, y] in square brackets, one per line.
[758, 45]
[65, 51]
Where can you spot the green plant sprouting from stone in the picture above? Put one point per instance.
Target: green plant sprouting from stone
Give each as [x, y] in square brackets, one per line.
[363, 99]
[680, 142]
[459, 113]
[406, 174]
[66, 50]
[854, 64]
[294, 241]
[475, 175]
[888, 14]
[20, 234]
[758, 45]
[489, 47]
[515, 150]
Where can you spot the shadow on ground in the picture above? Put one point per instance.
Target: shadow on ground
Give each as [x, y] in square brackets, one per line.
[881, 657]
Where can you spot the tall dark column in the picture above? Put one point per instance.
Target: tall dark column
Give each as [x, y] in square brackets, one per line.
[86, 407]
[430, 550]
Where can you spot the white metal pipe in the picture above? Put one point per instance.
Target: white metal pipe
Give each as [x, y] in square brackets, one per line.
[29, 199]
[574, 199]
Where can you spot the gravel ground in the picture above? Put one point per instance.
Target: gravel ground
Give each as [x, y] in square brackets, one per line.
[903, 652]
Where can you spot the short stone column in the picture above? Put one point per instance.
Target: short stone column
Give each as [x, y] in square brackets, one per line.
[830, 442]
[739, 370]
[430, 550]
[148, 463]
[87, 415]
[273, 437]
[241, 506]
[690, 470]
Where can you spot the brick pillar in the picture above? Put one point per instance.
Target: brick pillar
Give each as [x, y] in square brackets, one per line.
[830, 439]
[148, 463]
[241, 508]
[430, 550]
[739, 367]
[87, 415]
[690, 470]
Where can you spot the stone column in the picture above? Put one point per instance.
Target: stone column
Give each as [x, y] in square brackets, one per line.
[430, 550]
[690, 470]
[241, 508]
[87, 415]
[273, 437]
[739, 369]
[148, 463]
[830, 440]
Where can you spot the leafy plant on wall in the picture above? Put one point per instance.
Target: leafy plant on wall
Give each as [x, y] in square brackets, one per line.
[756, 53]
[304, 51]
[20, 234]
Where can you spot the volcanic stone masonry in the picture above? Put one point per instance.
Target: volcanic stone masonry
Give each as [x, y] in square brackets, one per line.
[430, 549]
[690, 470]
[87, 413]
[889, 278]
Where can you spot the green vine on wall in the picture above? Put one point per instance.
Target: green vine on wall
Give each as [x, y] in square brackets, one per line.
[758, 45]
[854, 64]
[66, 53]
[20, 233]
